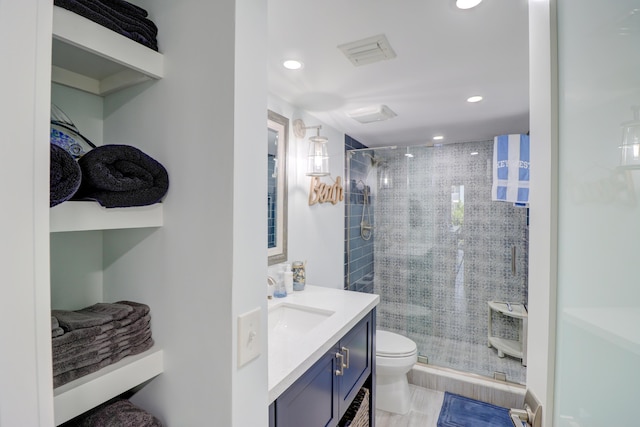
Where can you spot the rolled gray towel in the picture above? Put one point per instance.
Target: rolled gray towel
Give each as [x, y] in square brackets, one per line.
[121, 176]
[121, 413]
[64, 176]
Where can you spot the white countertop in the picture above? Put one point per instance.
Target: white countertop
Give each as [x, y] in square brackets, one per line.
[289, 360]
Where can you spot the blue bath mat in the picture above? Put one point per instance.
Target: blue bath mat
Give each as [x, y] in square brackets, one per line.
[460, 411]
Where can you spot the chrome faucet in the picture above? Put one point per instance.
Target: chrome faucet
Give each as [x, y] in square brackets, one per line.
[271, 286]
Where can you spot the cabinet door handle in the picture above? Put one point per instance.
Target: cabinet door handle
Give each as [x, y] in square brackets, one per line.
[345, 350]
[340, 370]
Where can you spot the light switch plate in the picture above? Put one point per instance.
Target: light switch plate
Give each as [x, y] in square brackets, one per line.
[248, 336]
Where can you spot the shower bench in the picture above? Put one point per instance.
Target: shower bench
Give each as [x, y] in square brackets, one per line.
[517, 349]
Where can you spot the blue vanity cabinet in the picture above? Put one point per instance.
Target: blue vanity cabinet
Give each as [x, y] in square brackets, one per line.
[357, 348]
[312, 401]
[321, 396]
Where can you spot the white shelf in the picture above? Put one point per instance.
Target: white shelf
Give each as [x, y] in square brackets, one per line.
[510, 347]
[504, 346]
[95, 59]
[88, 215]
[76, 397]
[517, 310]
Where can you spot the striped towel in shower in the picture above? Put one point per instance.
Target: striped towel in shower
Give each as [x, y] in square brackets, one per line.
[511, 169]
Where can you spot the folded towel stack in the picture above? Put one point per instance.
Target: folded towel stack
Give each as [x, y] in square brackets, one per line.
[97, 336]
[120, 413]
[118, 15]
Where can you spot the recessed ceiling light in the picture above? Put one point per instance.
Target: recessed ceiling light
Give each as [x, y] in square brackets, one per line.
[408, 155]
[438, 138]
[475, 98]
[467, 4]
[474, 153]
[292, 64]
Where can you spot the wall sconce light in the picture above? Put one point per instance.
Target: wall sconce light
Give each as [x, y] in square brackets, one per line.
[630, 148]
[318, 158]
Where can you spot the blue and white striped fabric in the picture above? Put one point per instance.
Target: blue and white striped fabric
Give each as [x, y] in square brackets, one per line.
[511, 169]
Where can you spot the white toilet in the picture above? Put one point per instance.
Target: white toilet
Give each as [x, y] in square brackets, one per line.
[395, 355]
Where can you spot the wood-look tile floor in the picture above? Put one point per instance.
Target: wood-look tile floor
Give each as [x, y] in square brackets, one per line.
[424, 412]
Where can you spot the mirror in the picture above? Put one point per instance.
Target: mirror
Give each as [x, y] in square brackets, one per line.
[277, 140]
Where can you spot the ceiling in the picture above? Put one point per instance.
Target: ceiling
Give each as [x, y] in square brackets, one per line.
[444, 56]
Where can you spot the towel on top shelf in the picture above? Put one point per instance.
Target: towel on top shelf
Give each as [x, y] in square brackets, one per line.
[511, 169]
[121, 176]
[117, 15]
[98, 336]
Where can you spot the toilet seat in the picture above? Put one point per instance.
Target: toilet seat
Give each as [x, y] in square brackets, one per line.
[389, 344]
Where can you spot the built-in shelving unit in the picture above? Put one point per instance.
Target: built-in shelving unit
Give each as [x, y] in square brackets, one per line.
[76, 397]
[88, 215]
[94, 59]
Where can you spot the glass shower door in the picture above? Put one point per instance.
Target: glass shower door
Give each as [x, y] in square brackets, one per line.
[598, 345]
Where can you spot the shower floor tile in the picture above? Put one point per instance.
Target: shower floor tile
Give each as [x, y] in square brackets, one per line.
[468, 357]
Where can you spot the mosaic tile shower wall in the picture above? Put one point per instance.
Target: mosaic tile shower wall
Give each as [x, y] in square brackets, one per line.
[436, 271]
[441, 250]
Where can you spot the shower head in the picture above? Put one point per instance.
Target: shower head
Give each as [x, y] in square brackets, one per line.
[375, 161]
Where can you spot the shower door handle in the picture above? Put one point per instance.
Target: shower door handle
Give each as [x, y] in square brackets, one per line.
[513, 260]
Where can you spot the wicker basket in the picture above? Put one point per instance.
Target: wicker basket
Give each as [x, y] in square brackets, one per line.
[358, 413]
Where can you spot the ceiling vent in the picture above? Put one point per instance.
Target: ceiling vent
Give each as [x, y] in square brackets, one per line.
[369, 50]
[372, 114]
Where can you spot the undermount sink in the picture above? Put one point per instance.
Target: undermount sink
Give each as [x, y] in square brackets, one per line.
[292, 320]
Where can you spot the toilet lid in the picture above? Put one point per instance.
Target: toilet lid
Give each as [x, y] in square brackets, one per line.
[389, 344]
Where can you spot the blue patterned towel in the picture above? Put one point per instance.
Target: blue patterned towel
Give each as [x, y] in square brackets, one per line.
[511, 169]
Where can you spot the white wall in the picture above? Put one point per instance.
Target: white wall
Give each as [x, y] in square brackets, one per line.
[249, 206]
[205, 122]
[25, 364]
[316, 233]
[543, 211]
